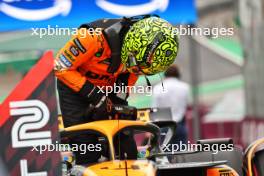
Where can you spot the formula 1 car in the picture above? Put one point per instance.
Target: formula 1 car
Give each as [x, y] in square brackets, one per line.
[23, 112]
[151, 160]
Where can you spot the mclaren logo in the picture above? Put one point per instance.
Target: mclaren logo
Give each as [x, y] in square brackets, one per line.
[59, 7]
[131, 10]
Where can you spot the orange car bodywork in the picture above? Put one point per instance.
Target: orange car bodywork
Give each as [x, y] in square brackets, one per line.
[118, 168]
[131, 167]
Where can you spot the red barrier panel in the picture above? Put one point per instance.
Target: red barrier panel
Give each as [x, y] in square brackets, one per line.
[28, 118]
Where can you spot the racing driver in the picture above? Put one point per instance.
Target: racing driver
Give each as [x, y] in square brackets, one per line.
[125, 49]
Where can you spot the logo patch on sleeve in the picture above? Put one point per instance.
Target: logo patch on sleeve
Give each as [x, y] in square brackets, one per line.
[74, 50]
[68, 55]
[65, 61]
[79, 45]
[59, 66]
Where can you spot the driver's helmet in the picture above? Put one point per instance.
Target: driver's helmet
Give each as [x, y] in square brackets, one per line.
[150, 46]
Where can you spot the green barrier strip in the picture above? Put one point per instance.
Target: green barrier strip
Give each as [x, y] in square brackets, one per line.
[153, 79]
[222, 85]
[2, 99]
[230, 45]
[20, 66]
[141, 101]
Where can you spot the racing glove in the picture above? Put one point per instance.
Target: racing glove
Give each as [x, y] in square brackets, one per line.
[101, 105]
[92, 94]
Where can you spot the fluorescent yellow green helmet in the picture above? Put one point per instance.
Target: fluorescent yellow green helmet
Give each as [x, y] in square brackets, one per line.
[150, 46]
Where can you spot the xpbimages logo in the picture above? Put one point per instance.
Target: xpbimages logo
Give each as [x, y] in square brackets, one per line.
[58, 31]
[124, 89]
[181, 147]
[82, 148]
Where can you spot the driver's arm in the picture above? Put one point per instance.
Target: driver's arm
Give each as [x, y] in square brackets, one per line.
[76, 52]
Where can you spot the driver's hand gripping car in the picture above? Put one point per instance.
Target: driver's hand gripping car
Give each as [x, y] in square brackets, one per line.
[92, 61]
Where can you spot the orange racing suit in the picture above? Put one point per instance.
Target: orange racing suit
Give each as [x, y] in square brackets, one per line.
[80, 66]
[86, 58]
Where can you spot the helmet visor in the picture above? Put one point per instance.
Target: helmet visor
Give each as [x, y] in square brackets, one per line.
[134, 67]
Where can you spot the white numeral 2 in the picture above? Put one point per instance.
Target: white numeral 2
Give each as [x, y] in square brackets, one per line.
[34, 115]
